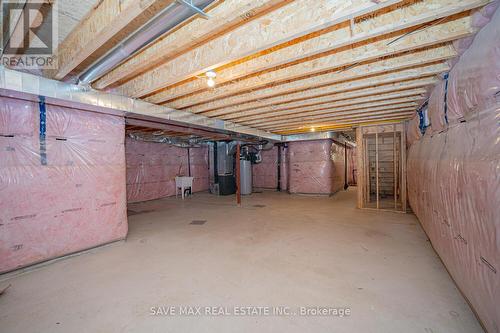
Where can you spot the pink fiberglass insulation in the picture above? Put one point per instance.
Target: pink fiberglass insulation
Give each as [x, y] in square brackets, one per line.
[265, 174]
[315, 167]
[74, 201]
[453, 188]
[474, 81]
[413, 130]
[152, 168]
[454, 175]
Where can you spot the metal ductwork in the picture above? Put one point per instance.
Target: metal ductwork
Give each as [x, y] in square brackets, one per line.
[178, 142]
[170, 17]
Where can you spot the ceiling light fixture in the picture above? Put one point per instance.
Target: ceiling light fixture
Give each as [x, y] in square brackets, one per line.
[313, 129]
[211, 76]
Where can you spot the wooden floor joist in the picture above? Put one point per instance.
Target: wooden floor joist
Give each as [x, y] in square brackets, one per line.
[342, 96]
[333, 114]
[386, 103]
[283, 66]
[224, 18]
[404, 75]
[409, 17]
[365, 103]
[349, 119]
[105, 26]
[296, 20]
[434, 35]
[367, 69]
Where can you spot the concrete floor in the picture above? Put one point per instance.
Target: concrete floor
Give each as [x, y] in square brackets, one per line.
[297, 251]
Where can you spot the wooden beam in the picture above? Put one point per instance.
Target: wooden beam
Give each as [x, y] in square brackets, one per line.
[174, 128]
[332, 97]
[297, 20]
[225, 17]
[404, 75]
[406, 17]
[412, 95]
[381, 66]
[343, 122]
[101, 29]
[379, 113]
[433, 35]
[336, 112]
[342, 127]
[382, 112]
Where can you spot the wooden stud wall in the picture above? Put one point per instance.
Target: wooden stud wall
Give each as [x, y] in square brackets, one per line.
[381, 167]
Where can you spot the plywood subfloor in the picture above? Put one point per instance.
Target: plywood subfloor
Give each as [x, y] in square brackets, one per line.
[276, 250]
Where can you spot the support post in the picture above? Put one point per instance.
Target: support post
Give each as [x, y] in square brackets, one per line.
[238, 180]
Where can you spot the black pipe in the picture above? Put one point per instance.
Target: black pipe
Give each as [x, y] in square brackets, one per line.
[216, 174]
[189, 163]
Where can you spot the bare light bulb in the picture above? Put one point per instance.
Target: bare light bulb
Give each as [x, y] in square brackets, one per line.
[210, 82]
[313, 129]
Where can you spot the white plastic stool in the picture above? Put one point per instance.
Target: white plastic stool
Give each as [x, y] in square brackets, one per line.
[183, 183]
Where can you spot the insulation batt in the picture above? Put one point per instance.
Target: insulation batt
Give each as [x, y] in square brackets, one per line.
[265, 174]
[77, 200]
[474, 72]
[152, 168]
[454, 174]
[316, 167]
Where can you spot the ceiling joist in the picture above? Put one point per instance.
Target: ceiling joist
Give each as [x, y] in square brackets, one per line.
[343, 96]
[296, 20]
[404, 75]
[348, 119]
[224, 18]
[322, 46]
[335, 114]
[281, 66]
[367, 69]
[327, 109]
[102, 28]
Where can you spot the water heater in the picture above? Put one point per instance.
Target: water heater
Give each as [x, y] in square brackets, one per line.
[245, 177]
